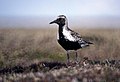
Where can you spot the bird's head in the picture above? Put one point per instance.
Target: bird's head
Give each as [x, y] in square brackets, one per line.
[61, 20]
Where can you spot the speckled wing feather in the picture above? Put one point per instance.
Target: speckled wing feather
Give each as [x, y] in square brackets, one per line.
[76, 35]
[79, 39]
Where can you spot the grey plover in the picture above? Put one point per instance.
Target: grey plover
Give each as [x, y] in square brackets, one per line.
[67, 38]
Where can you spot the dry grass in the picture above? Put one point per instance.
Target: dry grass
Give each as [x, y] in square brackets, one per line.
[18, 46]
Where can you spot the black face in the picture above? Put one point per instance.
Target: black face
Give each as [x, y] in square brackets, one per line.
[59, 21]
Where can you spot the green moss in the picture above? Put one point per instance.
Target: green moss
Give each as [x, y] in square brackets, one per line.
[57, 57]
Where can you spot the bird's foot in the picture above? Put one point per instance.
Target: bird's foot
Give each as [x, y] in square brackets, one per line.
[72, 63]
[77, 62]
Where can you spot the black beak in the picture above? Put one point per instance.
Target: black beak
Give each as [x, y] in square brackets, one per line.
[52, 22]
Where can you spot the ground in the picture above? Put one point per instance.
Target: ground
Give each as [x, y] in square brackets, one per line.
[33, 55]
[62, 72]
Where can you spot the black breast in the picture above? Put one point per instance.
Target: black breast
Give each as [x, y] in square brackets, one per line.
[69, 45]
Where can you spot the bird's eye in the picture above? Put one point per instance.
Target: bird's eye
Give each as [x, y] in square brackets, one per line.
[60, 19]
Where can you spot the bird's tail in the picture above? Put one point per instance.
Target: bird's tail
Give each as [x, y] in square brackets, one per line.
[89, 42]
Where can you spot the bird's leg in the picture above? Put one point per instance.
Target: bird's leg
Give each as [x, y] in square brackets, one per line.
[76, 56]
[68, 57]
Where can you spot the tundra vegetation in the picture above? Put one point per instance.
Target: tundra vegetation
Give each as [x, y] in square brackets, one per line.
[25, 47]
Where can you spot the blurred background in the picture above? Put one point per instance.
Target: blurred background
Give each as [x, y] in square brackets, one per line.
[80, 13]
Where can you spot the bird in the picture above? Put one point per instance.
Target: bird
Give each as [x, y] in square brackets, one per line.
[67, 38]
